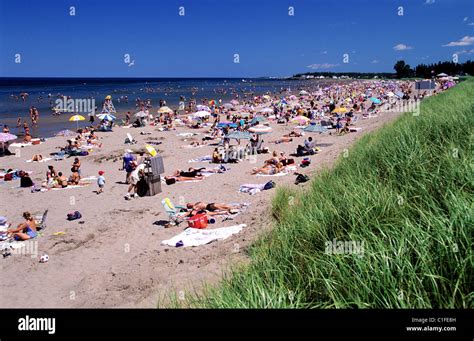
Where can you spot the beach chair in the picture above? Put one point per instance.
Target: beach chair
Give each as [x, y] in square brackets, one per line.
[129, 139]
[41, 221]
[173, 211]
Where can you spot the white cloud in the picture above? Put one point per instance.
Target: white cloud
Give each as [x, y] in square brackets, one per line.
[471, 51]
[321, 66]
[430, 2]
[471, 24]
[465, 41]
[324, 52]
[402, 47]
[375, 61]
[465, 19]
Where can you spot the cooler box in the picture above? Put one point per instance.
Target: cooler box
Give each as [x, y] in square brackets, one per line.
[154, 184]
[157, 165]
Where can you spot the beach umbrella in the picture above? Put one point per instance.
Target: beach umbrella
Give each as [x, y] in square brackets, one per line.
[266, 97]
[66, 133]
[442, 75]
[201, 113]
[107, 117]
[340, 110]
[267, 110]
[141, 114]
[164, 110]
[151, 150]
[303, 93]
[201, 107]
[77, 118]
[234, 102]
[239, 135]
[260, 129]
[315, 128]
[375, 100]
[300, 120]
[227, 124]
[228, 105]
[5, 137]
[256, 120]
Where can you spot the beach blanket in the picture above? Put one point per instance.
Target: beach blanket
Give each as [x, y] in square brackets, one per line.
[46, 159]
[197, 237]
[278, 174]
[252, 189]
[20, 145]
[187, 134]
[206, 158]
[163, 180]
[193, 147]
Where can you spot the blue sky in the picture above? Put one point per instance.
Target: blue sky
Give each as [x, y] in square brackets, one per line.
[203, 42]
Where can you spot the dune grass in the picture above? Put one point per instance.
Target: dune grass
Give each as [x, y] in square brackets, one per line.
[404, 193]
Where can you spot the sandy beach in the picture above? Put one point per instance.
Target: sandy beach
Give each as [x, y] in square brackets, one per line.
[115, 258]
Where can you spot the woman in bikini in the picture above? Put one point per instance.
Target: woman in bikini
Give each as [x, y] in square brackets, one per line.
[26, 230]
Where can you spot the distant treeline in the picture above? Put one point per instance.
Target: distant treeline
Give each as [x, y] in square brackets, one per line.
[403, 70]
[348, 74]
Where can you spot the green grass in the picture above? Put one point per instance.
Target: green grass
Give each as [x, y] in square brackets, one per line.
[405, 192]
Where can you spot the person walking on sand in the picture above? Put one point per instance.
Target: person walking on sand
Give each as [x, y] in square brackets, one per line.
[101, 182]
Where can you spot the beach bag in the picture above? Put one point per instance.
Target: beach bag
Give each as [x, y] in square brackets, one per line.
[8, 177]
[83, 153]
[269, 185]
[170, 181]
[74, 215]
[142, 187]
[199, 221]
[301, 178]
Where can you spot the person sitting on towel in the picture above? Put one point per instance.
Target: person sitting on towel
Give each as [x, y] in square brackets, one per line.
[26, 230]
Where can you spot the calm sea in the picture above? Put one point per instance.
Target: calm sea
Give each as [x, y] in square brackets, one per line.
[43, 92]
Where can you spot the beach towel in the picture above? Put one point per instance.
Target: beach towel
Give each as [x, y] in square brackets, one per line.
[197, 237]
[20, 145]
[187, 134]
[42, 160]
[206, 158]
[193, 147]
[163, 180]
[278, 174]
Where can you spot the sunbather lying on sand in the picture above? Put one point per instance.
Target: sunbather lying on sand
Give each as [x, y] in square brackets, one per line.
[26, 230]
[211, 208]
[268, 169]
[37, 157]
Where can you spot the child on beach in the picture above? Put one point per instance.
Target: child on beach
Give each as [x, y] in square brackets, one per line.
[100, 182]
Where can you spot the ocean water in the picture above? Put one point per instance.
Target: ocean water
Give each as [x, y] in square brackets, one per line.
[12, 106]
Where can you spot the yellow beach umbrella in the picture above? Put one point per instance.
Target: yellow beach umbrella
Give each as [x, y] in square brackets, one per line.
[77, 118]
[340, 110]
[164, 110]
[150, 150]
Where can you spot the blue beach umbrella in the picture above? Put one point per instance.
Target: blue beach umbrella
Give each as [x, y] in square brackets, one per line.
[107, 117]
[315, 128]
[256, 120]
[230, 125]
[239, 135]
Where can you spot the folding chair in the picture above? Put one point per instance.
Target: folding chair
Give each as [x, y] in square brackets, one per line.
[129, 139]
[41, 221]
[174, 214]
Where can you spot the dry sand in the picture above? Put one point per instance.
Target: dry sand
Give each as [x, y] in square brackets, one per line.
[115, 259]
